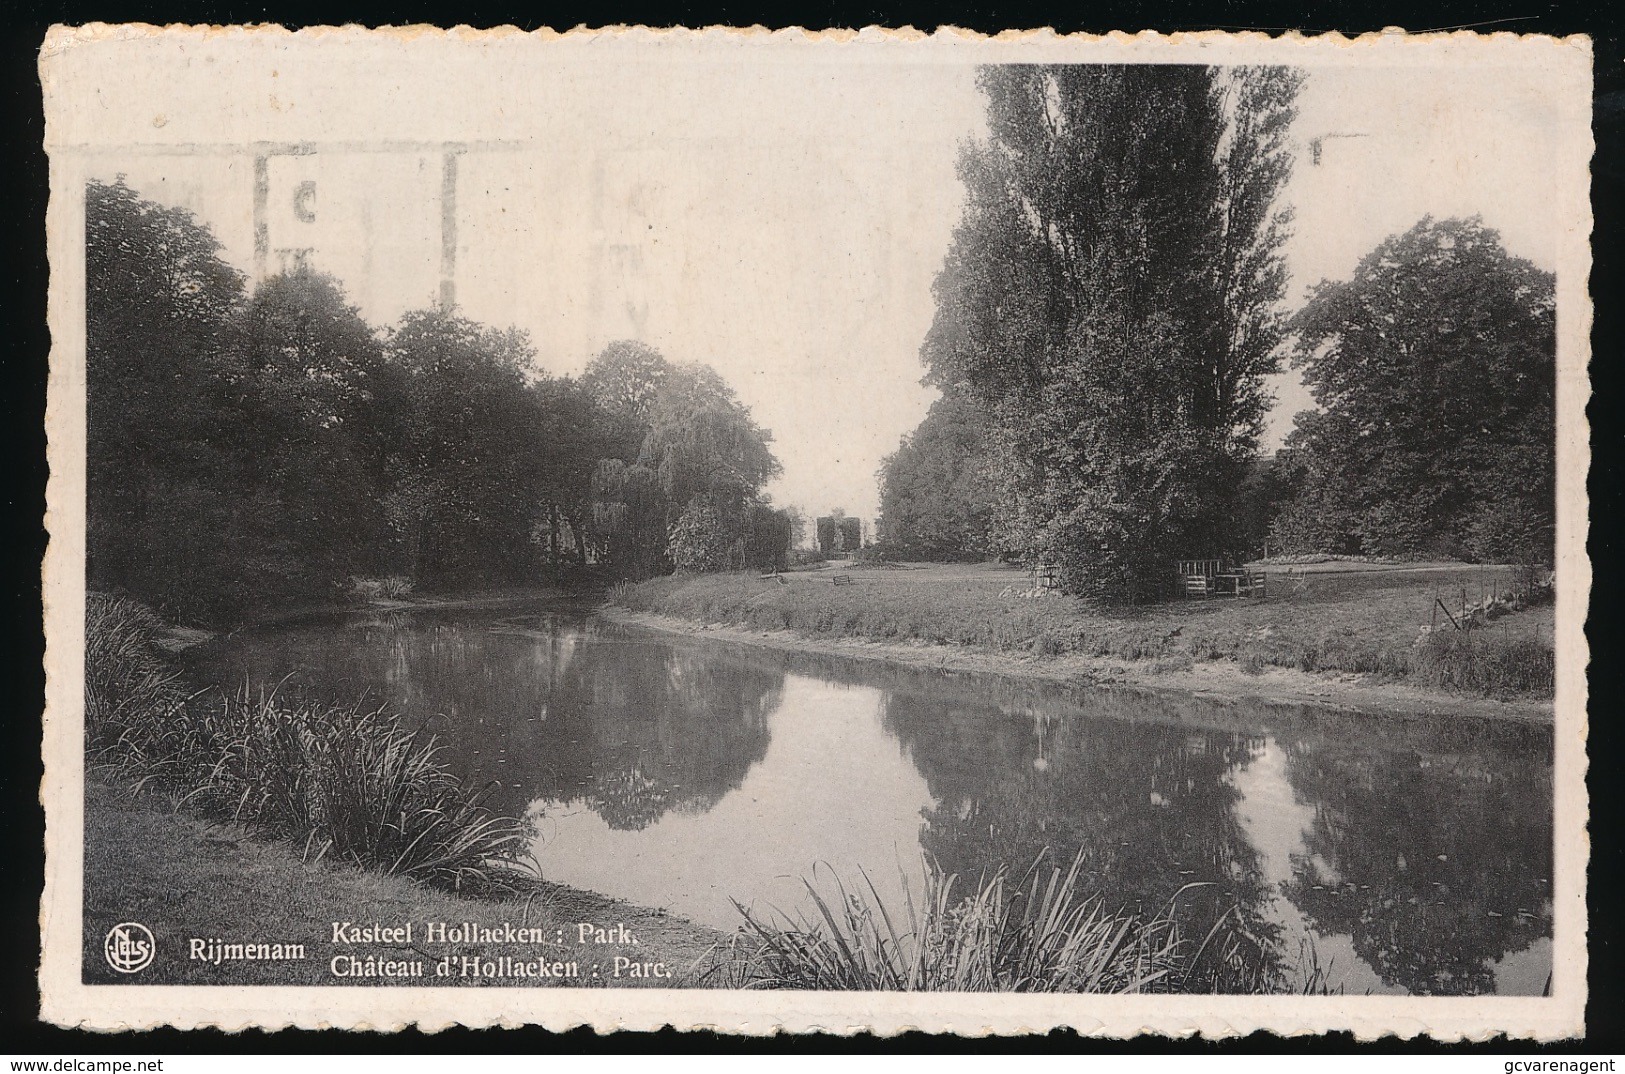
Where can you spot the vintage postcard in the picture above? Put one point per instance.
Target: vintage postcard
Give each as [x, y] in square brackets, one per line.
[778, 531]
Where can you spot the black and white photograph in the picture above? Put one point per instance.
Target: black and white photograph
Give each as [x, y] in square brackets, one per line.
[714, 525]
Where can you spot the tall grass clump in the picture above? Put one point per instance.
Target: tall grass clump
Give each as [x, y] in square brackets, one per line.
[389, 587]
[127, 678]
[1485, 661]
[1036, 933]
[341, 780]
[628, 595]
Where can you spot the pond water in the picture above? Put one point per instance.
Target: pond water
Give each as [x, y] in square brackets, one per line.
[1415, 854]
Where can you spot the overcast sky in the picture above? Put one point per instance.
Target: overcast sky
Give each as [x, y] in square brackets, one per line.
[780, 221]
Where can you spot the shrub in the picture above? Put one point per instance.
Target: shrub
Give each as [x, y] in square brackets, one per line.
[1307, 526]
[1047, 645]
[1177, 663]
[628, 595]
[873, 555]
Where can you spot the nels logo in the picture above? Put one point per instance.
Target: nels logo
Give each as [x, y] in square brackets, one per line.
[129, 947]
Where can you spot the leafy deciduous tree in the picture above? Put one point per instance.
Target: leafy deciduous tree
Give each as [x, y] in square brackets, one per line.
[466, 490]
[306, 378]
[157, 296]
[936, 501]
[707, 457]
[1434, 367]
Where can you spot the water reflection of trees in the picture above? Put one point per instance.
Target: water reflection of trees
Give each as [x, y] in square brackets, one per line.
[533, 708]
[1149, 807]
[636, 727]
[1436, 864]
[668, 729]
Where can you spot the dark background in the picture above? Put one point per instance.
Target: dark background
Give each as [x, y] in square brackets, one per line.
[25, 347]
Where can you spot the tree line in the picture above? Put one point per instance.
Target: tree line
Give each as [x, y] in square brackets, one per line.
[1111, 305]
[248, 445]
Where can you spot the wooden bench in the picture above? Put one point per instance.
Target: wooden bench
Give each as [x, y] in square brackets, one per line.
[1197, 576]
[842, 579]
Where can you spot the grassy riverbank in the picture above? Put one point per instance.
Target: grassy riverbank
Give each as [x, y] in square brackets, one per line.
[343, 780]
[183, 877]
[1336, 628]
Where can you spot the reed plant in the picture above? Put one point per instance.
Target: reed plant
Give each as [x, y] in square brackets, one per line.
[1039, 932]
[354, 782]
[346, 781]
[389, 587]
[127, 678]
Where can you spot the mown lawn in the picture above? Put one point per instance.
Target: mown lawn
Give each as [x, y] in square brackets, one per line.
[1317, 618]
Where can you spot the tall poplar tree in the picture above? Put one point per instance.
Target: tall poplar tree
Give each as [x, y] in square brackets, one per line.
[1109, 304]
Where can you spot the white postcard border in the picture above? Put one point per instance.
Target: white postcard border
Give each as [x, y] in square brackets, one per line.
[73, 72]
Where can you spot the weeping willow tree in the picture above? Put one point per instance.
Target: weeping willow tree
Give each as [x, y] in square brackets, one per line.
[1109, 305]
[693, 467]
